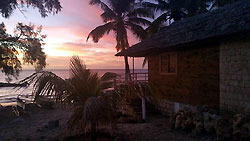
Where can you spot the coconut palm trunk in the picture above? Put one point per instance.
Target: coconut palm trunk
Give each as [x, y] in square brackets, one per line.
[127, 70]
[119, 16]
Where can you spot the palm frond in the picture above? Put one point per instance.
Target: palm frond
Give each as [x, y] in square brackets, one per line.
[151, 5]
[156, 24]
[141, 12]
[95, 2]
[78, 68]
[109, 76]
[145, 61]
[139, 21]
[85, 82]
[119, 98]
[76, 119]
[137, 30]
[147, 90]
[108, 16]
[49, 85]
[107, 80]
[97, 113]
[100, 31]
[121, 6]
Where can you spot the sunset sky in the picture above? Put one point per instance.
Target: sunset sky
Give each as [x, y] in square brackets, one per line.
[66, 36]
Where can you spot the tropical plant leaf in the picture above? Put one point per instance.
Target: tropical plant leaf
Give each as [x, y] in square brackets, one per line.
[145, 61]
[139, 21]
[95, 2]
[97, 113]
[109, 76]
[108, 16]
[137, 30]
[156, 24]
[141, 12]
[100, 31]
[49, 85]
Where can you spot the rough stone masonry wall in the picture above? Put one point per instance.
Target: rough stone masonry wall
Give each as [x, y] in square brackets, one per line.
[167, 107]
[235, 76]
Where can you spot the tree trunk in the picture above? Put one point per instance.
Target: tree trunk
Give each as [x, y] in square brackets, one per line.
[127, 70]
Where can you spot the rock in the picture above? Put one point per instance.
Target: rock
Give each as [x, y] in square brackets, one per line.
[247, 126]
[172, 121]
[209, 126]
[209, 122]
[238, 121]
[179, 119]
[223, 128]
[188, 123]
[199, 127]
[178, 122]
[243, 132]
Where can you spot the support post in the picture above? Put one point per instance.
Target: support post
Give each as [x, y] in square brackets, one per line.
[143, 109]
[133, 68]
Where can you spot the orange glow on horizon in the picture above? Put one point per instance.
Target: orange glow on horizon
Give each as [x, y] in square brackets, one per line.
[66, 36]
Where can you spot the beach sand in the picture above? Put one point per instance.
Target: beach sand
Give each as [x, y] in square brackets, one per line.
[33, 123]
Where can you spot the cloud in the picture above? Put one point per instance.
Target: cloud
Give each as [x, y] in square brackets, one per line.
[67, 33]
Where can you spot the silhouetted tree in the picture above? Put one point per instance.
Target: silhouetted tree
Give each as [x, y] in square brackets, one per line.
[27, 41]
[120, 16]
[174, 10]
[45, 6]
[178, 9]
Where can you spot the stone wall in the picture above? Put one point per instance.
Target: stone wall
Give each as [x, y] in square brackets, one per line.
[197, 79]
[235, 76]
[167, 107]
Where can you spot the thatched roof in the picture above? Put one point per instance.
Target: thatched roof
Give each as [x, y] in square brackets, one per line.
[211, 26]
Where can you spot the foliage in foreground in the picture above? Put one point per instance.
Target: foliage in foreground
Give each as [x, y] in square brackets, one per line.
[45, 6]
[92, 107]
[82, 92]
[27, 41]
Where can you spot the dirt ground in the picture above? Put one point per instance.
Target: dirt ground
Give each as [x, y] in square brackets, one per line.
[33, 125]
[155, 129]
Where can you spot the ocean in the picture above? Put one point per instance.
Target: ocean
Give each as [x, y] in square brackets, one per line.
[9, 94]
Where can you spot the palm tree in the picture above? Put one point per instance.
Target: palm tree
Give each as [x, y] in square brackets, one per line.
[84, 92]
[120, 16]
[178, 9]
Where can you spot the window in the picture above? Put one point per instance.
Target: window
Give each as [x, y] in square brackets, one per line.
[168, 63]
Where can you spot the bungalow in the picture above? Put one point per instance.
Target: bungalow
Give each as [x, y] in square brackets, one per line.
[202, 60]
